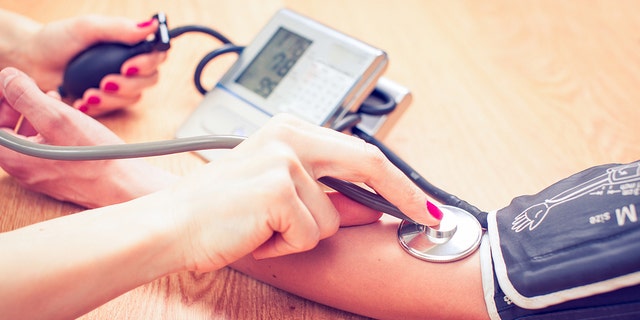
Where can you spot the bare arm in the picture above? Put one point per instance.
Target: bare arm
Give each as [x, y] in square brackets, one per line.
[363, 270]
[65, 267]
[15, 28]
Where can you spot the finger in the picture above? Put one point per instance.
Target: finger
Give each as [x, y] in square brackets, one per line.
[127, 87]
[9, 117]
[15, 163]
[346, 157]
[294, 229]
[99, 28]
[143, 65]
[23, 95]
[25, 128]
[96, 102]
[8, 159]
[300, 213]
[307, 189]
[317, 202]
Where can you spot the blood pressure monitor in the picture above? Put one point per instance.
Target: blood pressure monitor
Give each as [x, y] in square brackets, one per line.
[294, 65]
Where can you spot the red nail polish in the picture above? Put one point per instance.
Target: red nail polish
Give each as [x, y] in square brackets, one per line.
[93, 100]
[145, 24]
[132, 71]
[434, 210]
[83, 108]
[111, 86]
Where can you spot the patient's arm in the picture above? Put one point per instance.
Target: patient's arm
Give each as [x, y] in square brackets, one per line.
[360, 269]
[364, 270]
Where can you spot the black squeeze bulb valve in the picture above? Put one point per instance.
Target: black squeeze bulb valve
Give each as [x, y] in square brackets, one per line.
[87, 69]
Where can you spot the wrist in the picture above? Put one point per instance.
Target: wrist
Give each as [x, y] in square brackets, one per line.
[115, 248]
[165, 244]
[131, 179]
[159, 252]
[16, 29]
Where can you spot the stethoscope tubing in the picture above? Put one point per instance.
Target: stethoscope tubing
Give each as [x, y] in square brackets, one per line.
[159, 148]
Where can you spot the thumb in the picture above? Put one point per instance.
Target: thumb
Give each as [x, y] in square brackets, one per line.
[20, 91]
[98, 28]
[53, 119]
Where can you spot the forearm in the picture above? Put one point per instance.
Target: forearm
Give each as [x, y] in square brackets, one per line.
[65, 267]
[364, 270]
[15, 28]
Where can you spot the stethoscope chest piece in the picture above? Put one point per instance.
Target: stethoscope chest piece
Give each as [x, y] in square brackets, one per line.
[457, 236]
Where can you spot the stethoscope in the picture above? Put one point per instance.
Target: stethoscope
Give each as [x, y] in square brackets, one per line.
[457, 236]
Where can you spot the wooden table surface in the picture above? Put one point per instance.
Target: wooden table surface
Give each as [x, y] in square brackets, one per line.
[508, 97]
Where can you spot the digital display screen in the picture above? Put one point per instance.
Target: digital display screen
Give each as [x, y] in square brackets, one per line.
[273, 62]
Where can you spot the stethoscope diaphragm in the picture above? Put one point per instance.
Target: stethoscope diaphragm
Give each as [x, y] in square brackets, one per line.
[457, 236]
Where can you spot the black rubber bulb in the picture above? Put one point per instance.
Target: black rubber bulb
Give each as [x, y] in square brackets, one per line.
[88, 68]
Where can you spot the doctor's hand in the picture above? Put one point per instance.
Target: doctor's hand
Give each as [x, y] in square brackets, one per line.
[263, 197]
[43, 52]
[50, 121]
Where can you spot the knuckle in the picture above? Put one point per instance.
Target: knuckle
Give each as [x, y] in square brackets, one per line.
[280, 128]
[311, 240]
[153, 79]
[285, 118]
[85, 22]
[283, 189]
[331, 227]
[281, 154]
[414, 195]
[375, 159]
[285, 126]
[57, 120]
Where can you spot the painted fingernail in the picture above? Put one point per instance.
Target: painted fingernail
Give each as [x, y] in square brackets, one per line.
[93, 100]
[83, 108]
[144, 24]
[434, 210]
[111, 86]
[132, 71]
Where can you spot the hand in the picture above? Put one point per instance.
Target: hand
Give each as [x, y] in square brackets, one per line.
[50, 121]
[531, 217]
[263, 197]
[47, 50]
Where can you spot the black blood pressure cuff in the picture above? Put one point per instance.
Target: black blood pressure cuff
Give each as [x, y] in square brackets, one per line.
[570, 251]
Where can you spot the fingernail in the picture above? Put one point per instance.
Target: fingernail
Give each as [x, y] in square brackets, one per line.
[83, 108]
[434, 210]
[132, 71]
[145, 24]
[111, 86]
[93, 100]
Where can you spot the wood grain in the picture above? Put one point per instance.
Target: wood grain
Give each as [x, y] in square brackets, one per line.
[508, 97]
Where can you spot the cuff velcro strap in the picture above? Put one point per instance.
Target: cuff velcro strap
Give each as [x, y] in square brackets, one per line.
[577, 238]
